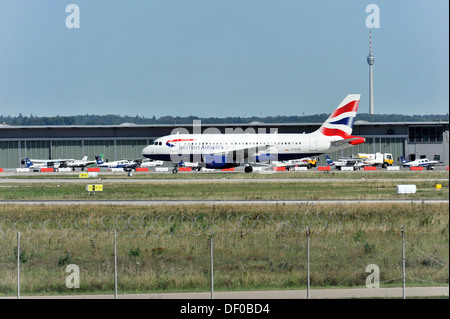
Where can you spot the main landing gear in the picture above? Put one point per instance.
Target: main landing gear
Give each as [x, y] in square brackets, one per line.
[248, 169]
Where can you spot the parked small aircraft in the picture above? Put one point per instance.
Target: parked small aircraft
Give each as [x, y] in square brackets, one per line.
[151, 163]
[77, 163]
[425, 162]
[356, 163]
[307, 161]
[124, 163]
[37, 164]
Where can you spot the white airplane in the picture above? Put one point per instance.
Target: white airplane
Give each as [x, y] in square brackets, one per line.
[230, 150]
[356, 163]
[77, 163]
[307, 161]
[125, 164]
[151, 163]
[425, 162]
[37, 164]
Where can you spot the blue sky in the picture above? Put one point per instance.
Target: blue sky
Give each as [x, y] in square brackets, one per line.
[218, 58]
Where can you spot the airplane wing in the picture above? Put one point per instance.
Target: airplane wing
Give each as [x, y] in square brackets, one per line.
[246, 150]
[257, 154]
[295, 163]
[130, 167]
[220, 158]
[63, 163]
[87, 163]
[355, 161]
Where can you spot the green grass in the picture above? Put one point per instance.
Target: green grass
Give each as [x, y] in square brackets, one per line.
[217, 190]
[170, 252]
[256, 246]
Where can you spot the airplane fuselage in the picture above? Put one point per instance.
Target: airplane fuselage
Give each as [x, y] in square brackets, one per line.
[279, 147]
[421, 162]
[79, 163]
[117, 164]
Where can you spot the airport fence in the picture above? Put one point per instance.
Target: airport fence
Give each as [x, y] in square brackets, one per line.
[157, 253]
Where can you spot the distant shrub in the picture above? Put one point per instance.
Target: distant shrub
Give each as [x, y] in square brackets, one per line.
[426, 221]
[65, 260]
[369, 248]
[157, 251]
[23, 257]
[358, 235]
[134, 252]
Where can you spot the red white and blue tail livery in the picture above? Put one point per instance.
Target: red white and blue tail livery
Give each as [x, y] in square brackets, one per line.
[340, 122]
[230, 150]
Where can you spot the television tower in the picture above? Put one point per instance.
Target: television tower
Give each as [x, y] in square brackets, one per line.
[370, 61]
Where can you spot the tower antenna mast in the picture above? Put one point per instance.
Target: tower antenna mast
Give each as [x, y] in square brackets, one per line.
[370, 61]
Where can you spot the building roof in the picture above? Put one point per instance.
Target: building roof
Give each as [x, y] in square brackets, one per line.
[131, 125]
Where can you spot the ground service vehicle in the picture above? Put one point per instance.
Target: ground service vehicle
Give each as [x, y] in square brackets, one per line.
[383, 159]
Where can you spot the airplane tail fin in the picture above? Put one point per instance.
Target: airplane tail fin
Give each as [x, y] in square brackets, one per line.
[28, 162]
[329, 160]
[403, 160]
[340, 122]
[99, 160]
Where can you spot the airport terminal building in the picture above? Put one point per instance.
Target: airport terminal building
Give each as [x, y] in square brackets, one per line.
[413, 140]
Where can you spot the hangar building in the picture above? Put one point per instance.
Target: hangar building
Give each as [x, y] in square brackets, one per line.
[414, 140]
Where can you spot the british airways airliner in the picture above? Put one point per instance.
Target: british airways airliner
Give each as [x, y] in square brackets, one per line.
[219, 151]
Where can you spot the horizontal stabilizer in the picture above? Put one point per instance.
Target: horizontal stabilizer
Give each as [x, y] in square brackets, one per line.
[353, 140]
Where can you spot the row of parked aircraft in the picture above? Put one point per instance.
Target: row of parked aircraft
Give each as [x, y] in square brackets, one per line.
[127, 165]
[221, 151]
[58, 163]
[359, 162]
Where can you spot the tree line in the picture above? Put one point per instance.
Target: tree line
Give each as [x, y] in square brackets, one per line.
[110, 119]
